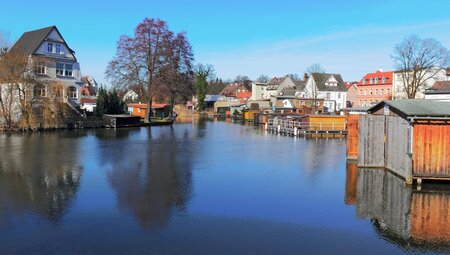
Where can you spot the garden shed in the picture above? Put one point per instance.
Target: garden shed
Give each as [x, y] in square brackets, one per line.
[408, 137]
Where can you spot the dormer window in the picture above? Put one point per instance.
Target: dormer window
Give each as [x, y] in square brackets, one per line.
[376, 80]
[58, 48]
[383, 79]
[364, 81]
[371, 80]
[50, 48]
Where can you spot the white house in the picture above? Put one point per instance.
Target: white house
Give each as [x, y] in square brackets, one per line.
[431, 76]
[329, 87]
[55, 63]
[131, 95]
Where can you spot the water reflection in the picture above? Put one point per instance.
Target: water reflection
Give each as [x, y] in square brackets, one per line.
[414, 220]
[39, 174]
[154, 180]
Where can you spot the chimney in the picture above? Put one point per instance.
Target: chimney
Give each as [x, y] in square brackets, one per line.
[305, 76]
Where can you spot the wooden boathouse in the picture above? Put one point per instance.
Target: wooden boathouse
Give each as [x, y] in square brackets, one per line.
[408, 137]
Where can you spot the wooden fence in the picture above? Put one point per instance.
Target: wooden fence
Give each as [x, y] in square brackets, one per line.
[398, 147]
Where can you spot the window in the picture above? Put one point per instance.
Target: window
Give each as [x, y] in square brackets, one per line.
[383, 79]
[388, 91]
[376, 80]
[50, 47]
[371, 92]
[328, 96]
[376, 91]
[364, 82]
[360, 92]
[58, 49]
[64, 69]
[339, 95]
[371, 80]
[40, 91]
[72, 92]
[303, 103]
[41, 68]
[68, 70]
[318, 103]
[360, 103]
[365, 92]
[382, 91]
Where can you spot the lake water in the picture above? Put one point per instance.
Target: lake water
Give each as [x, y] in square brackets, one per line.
[206, 188]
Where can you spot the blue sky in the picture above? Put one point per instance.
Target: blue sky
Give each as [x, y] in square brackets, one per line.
[244, 37]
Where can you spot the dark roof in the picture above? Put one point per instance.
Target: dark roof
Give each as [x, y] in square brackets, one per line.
[321, 78]
[30, 41]
[416, 107]
[275, 82]
[288, 91]
[299, 85]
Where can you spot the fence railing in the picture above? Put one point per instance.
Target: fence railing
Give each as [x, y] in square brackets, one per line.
[312, 125]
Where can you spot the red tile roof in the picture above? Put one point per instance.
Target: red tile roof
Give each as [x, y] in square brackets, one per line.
[84, 100]
[379, 75]
[244, 95]
[441, 85]
[348, 84]
[230, 89]
[144, 106]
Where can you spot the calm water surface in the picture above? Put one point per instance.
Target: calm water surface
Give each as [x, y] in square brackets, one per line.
[206, 188]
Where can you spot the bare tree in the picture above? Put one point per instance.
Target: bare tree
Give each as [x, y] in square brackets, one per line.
[419, 60]
[263, 78]
[312, 91]
[315, 68]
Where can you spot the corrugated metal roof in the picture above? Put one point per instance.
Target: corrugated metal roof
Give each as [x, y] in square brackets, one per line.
[418, 107]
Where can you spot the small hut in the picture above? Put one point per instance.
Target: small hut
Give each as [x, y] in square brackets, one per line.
[408, 137]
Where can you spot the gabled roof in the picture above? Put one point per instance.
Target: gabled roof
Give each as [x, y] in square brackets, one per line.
[288, 91]
[379, 76]
[350, 84]
[275, 82]
[30, 41]
[299, 85]
[321, 78]
[416, 107]
[231, 88]
[439, 87]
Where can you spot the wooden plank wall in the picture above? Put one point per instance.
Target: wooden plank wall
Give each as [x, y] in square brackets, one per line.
[398, 147]
[371, 141]
[431, 150]
[352, 136]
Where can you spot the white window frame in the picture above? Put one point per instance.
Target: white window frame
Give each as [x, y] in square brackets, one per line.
[41, 68]
[58, 48]
[64, 71]
[50, 47]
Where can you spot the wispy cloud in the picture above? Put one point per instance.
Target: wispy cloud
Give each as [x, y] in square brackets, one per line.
[352, 52]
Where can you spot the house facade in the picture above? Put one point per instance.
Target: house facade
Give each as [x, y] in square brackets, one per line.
[352, 92]
[430, 76]
[329, 87]
[55, 64]
[233, 90]
[374, 88]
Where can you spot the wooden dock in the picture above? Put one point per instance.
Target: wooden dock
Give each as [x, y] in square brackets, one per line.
[298, 128]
